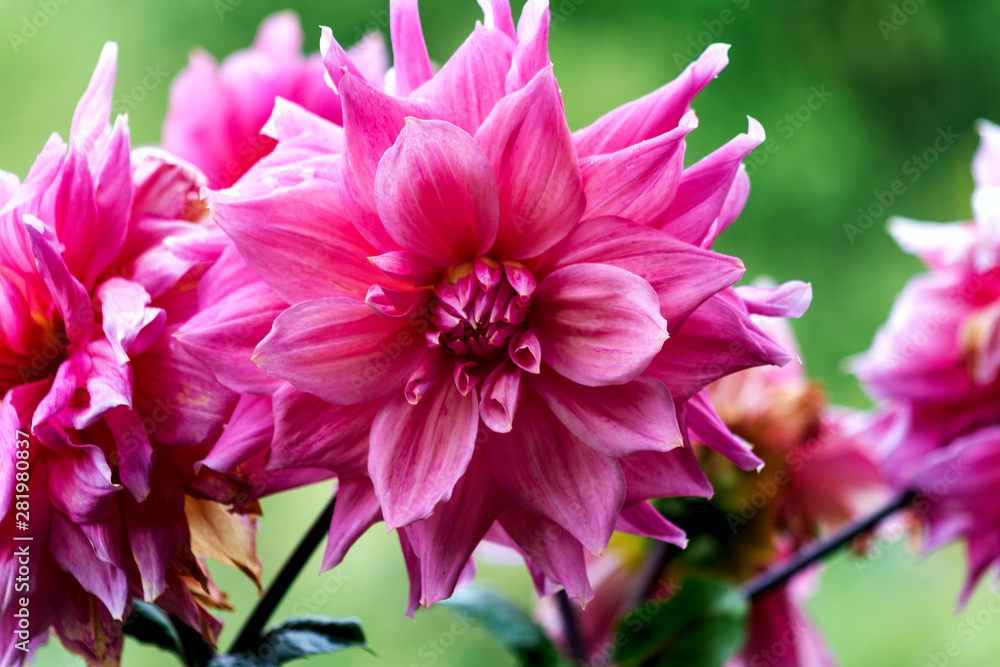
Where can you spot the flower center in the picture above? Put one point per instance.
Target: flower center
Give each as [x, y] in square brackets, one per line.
[479, 306]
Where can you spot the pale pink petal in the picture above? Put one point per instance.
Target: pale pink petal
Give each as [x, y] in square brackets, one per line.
[134, 452]
[280, 36]
[530, 147]
[356, 511]
[437, 194]
[249, 431]
[113, 197]
[290, 121]
[615, 420]
[335, 58]
[411, 63]
[500, 395]
[74, 554]
[672, 474]
[127, 316]
[547, 470]
[643, 519]
[532, 52]
[79, 483]
[108, 385]
[419, 452]
[707, 427]
[90, 120]
[497, 15]
[987, 155]
[789, 299]
[597, 324]
[341, 351]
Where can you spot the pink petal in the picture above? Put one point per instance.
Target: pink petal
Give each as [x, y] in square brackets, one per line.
[437, 194]
[290, 121]
[311, 433]
[341, 351]
[113, 197]
[356, 511]
[408, 267]
[90, 120]
[597, 324]
[707, 427]
[419, 452]
[643, 519]
[547, 470]
[472, 81]
[155, 542]
[556, 552]
[501, 393]
[497, 15]
[70, 376]
[75, 213]
[335, 58]
[79, 483]
[249, 431]
[134, 453]
[74, 554]
[413, 572]
[672, 474]
[682, 275]
[532, 52]
[280, 36]
[637, 183]
[615, 420]
[526, 351]
[654, 114]
[789, 299]
[126, 315]
[108, 385]
[530, 147]
[987, 155]
[411, 63]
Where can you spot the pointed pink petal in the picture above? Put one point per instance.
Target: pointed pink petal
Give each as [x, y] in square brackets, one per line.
[672, 474]
[411, 63]
[90, 120]
[532, 53]
[703, 192]
[290, 121]
[418, 452]
[556, 553]
[654, 114]
[497, 15]
[408, 267]
[135, 454]
[501, 392]
[126, 315]
[707, 427]
[74, 554]
[79, 483]
[413, 572]
[249, 431]
[789, 299]
[335, 58]
[597, 324]
[547, 470]
[341, 351]
[444, 542]
[437, 194]
[643, 519]
[356, 511]
[153, 541]
[311, 433]
[472, 81]
[616, 420]
[682, 275]
[637, 183]
[526, 351]
[113, 196]
[530, 147]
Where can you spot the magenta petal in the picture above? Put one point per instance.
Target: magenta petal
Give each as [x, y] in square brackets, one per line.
[615, 420]
[412, 571]
[74, 554]
[154, 542]
[289, 121]
[126, 315]
[418, 452]
[707, 427]
[71, 375]
[526, 351]
[311, 433]
[597, 324]
[672, 474]
[356, 511]
[90, 120]
[341, 351]
[501, 392]
[682, 275]
[547, 470]
[108, 384]
[437, 194]
[531, 55]
[444, 542]
[643, 519]
[472, 81]
[408, 267]
[558, 554]
[530, 147]
[637, 183]
[79, 483]
[497, 15]
[789, 299]
[654, 114]
[249, 431]
[113, 196]
[411, 64]
[335, 59]
[135, 453]
[70, 296]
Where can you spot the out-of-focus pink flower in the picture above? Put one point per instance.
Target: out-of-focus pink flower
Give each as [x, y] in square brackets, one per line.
[934, 368]
[216, 111]
[100, 252]
[497, 328]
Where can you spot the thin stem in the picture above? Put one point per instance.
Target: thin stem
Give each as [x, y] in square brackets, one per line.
[250, 634]
[571, 628]
[817, 551]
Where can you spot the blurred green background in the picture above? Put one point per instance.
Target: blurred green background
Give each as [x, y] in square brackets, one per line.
[893, 75]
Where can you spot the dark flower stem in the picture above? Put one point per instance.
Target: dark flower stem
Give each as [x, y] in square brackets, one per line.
[251, 632]
[817, 551]
[571, 628]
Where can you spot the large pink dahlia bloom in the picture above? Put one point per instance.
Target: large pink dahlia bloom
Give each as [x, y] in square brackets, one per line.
[216, 112]
[494, 327]
[934, 369]
[100, 252]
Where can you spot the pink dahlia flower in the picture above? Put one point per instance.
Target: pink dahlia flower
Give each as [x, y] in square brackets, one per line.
[934, 369]
[495, 327]
[216, 112]
[100, 252]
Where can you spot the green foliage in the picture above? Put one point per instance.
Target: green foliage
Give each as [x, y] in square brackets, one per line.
[298, 637]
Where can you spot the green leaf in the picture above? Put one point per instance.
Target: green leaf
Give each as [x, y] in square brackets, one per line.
[508, 623]
[298, 637]
[702, 626]
[151, 625]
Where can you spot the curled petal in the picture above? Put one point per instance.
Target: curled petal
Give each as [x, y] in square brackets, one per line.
[501, 393]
